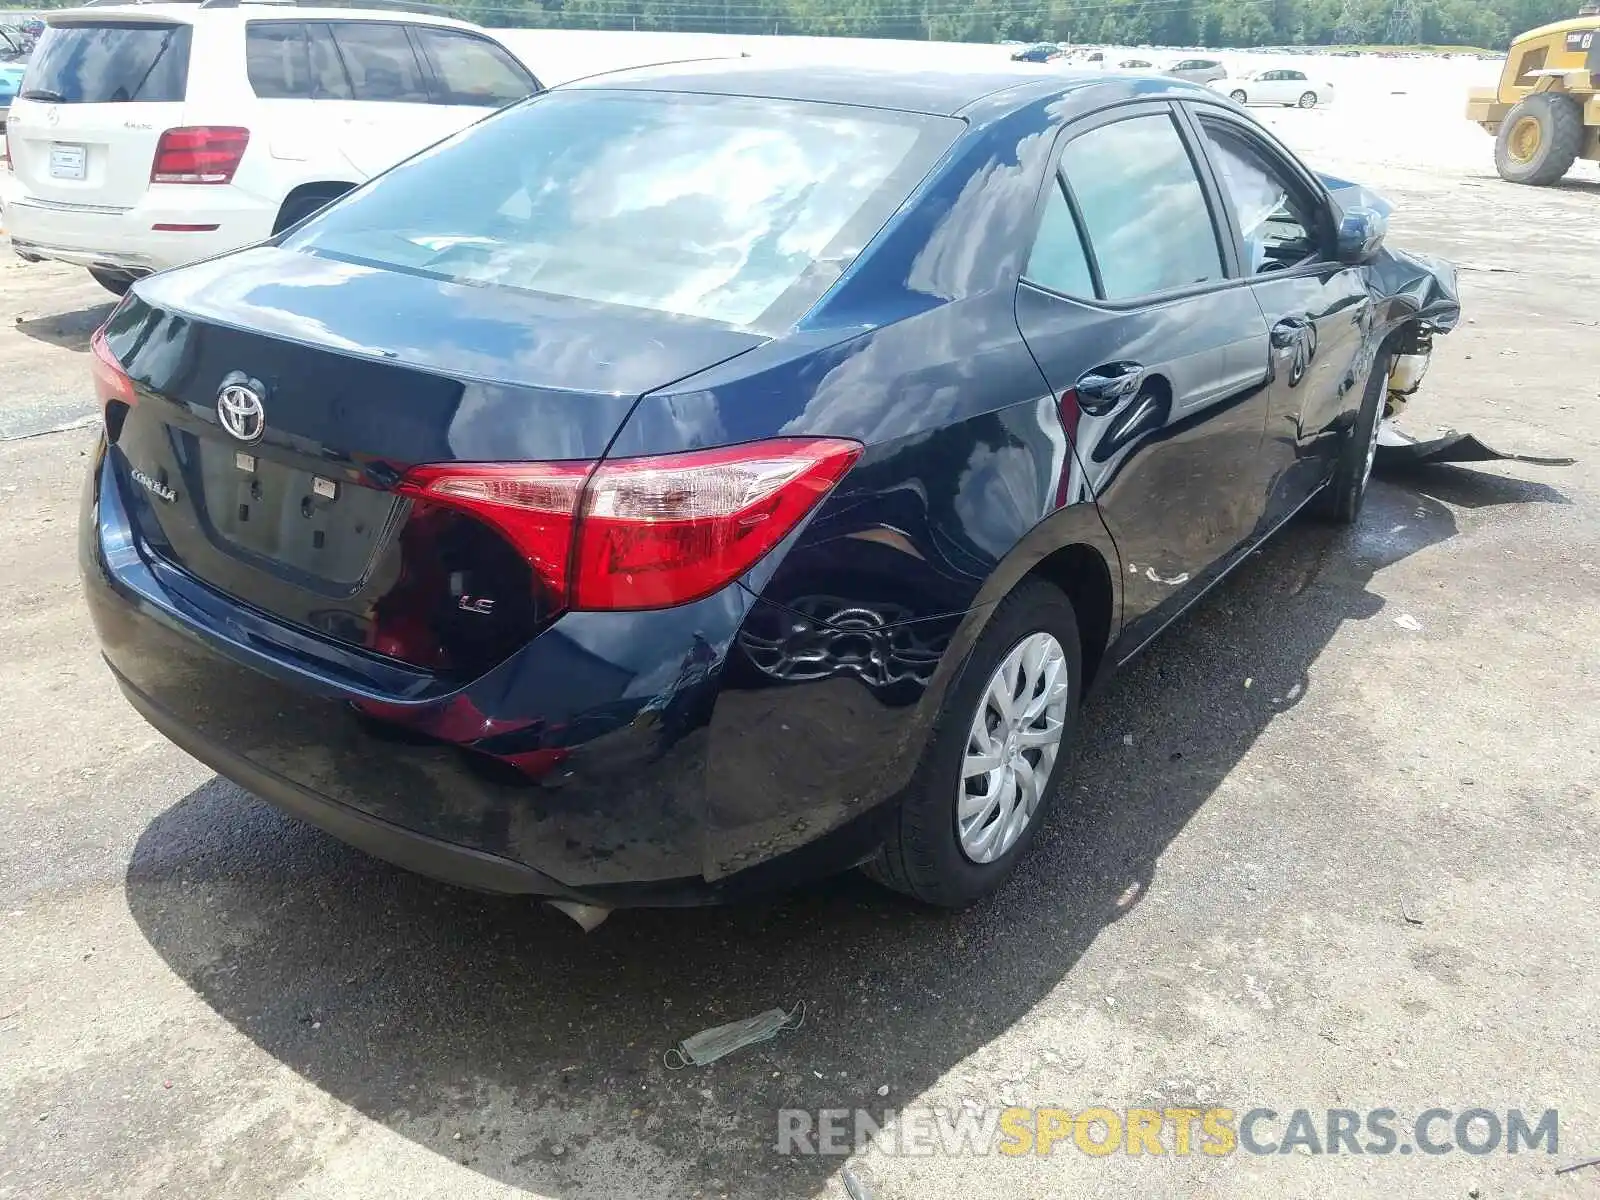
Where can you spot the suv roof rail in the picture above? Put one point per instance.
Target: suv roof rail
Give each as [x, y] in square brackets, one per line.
[416, 6]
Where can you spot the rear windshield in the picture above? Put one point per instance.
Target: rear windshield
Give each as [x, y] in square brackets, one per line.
[732, 210]
[109, 62]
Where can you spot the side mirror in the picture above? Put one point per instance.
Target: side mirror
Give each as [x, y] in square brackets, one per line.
[1361, 233]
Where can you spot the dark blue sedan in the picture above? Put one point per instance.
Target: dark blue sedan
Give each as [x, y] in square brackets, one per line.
[703, 478]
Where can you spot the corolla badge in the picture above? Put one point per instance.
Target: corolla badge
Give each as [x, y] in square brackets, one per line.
[155, 487]
[240, 410]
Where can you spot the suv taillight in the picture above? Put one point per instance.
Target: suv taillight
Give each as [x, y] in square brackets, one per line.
[651, 532]
[199, 154]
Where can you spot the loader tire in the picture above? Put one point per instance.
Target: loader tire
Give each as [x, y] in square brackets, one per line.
[1539, 140]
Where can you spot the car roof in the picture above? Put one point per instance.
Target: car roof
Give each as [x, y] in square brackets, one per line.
[909, 89]
[270, 11]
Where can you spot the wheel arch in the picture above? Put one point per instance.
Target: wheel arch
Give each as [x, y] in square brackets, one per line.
[1072, 550]
[332, 189]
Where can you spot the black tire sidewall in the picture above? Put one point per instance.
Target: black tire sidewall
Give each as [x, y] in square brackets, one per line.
[1313, 97]
[301, 208]
[935, 865]
[1348, 488]
[114, 282]
[1558, 116]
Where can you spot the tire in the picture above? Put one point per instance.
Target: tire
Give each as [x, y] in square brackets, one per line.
[1541, 157]
[923, 855]
[302, 206]
[115, 282]
[1308, 99]
[1237, 96]
[1340, 502]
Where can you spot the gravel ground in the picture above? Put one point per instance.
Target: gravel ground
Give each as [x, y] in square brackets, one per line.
[1312, 858]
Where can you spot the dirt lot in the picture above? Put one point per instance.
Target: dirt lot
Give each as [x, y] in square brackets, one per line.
[1313, 858]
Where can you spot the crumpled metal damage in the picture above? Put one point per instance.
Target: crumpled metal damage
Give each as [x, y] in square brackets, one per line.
[1423, 290]
[1397, 448]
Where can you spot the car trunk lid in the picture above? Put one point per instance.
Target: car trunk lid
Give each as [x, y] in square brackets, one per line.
[280, 397]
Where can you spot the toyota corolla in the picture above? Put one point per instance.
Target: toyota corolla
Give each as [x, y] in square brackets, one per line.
[702, 478]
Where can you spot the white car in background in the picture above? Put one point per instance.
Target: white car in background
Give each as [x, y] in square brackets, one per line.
[1198, 70]
[1286, 87]
[146, 136]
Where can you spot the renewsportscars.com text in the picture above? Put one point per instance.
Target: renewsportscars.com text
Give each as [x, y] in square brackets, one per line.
[1099, 1131]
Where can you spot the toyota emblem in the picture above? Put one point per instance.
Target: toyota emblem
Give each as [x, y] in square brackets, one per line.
[241, 413]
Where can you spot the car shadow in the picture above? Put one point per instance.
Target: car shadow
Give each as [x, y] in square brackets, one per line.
[71, 330]
[494, 1033]
[1468, 488]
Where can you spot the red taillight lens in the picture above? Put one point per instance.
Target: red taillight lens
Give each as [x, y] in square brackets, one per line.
[662, 531]
[530, 504]
[199, 154]
[111, 382]
[644, 532]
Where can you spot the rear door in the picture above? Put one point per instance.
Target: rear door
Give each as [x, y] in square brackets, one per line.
[471, 75]
[297, 75]
[1160, 357]
[96, 97]
[391, 115]
[1318, 311]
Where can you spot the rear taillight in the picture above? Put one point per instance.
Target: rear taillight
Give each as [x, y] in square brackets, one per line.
[644, 532]
[111, 382]
[199, 154]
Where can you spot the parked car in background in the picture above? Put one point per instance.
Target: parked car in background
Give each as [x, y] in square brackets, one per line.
[706, 477]
[153, 135]
[1135, 64]
[1044, 52]
[1286, 87]
[1198, 70]
[15, 44]
[10, 84]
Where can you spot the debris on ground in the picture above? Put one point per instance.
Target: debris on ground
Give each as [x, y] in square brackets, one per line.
[1407, 621]
[711, 1044]
[1398, 449]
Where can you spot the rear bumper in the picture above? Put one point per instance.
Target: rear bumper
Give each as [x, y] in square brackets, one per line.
[620, 759]
[126, 239]
[446, 861]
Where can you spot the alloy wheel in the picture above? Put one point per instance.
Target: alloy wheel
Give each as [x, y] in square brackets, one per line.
[1012, 746]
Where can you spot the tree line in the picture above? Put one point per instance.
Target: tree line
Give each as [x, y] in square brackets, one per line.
[1489, 24]
[1484, 23]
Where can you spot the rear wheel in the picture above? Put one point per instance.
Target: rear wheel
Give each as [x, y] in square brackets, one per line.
[1308, 100]
[1237, 95]
[115, 282]
[1539, 140]
[1340, 502]
[298, 207]
[996, 755]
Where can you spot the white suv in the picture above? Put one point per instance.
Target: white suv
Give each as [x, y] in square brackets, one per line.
[150, 135]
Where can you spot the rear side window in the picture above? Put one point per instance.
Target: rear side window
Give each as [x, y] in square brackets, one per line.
[1057, 260]
[110, 62]
[470, 70]
[739, 211]
[380, 61]
[1143, 208]
[289, 60]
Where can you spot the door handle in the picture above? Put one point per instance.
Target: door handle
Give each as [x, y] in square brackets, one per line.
[1104, 389]
[1287, 332]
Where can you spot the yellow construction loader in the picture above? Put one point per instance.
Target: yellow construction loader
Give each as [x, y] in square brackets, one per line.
[1545, 113]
